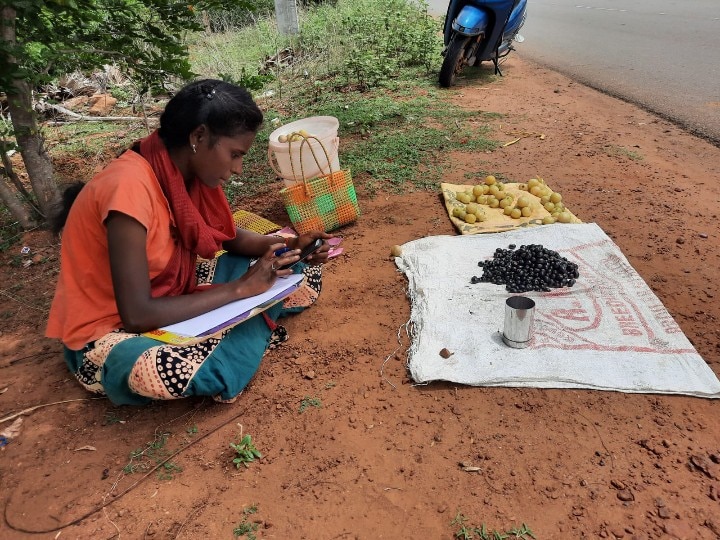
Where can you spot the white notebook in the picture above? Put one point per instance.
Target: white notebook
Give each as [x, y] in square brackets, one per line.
[227, 315]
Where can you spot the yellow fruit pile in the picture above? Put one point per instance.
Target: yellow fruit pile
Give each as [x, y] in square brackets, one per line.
[493, 194]
[295, 136]
[550, 201]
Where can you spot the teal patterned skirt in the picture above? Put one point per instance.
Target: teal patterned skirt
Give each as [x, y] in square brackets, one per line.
[132, 369]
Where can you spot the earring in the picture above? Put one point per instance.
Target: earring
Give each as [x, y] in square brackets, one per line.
[194, 149]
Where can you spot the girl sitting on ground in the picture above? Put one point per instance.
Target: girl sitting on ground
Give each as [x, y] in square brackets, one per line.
[129, 258]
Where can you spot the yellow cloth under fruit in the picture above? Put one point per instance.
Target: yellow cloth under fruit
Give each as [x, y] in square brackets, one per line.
[496, 220]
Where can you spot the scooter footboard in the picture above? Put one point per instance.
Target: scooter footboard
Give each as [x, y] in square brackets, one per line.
[471, 21]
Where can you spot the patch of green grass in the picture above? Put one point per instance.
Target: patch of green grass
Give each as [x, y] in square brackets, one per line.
[154, 453]
[358, 114]
[308, 402]
[91, 138]
[10, 230]
[245, 527]
[112, 418]
[235, 53]
[394, 157]
[466, 531]
[621, 151]
[418, 156]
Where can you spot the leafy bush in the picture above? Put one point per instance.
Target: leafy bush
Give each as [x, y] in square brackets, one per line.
[364, 42]
[245, 452]
[377, 39]
[243, 15]
[247, 80]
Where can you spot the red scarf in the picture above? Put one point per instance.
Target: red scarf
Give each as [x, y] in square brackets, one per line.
[202, 216]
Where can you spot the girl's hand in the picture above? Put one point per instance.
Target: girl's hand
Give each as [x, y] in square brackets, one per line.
[321, 255]
[261, 275]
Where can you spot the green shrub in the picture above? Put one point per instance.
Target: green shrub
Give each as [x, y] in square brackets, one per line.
[364, 42]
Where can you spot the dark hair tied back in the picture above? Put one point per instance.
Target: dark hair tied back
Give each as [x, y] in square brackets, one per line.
[210, 93]
[226, 109]
[61, 210]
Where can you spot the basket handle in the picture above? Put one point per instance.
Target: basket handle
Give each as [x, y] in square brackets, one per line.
[272, 161]
[312, 151]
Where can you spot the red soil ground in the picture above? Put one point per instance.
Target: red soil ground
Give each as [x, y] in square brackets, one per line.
[379, 458]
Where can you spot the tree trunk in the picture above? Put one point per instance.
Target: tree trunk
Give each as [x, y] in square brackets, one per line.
[16, 207]
[206, 22]
[27, 134]
[8, 170]
[287, 17]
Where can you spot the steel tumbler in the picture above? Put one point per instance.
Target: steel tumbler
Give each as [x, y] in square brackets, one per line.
[519, 317]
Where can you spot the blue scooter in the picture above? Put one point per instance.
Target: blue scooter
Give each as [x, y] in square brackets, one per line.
[479, 30]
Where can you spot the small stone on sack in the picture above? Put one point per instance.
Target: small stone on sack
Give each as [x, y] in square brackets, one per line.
[445, 353]
[396, 251]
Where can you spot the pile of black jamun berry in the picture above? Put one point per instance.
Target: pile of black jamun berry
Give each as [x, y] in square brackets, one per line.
[528, 268]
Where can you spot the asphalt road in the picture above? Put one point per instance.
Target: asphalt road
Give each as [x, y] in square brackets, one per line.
[663, 55]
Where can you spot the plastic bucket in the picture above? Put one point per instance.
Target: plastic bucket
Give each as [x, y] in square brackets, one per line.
[285, 156]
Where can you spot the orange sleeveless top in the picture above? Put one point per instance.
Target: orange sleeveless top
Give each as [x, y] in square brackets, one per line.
[84, 307]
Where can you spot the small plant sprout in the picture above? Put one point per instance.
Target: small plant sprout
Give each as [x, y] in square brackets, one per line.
[168, 470]
[245, 452]
[112, 418]
[153, 455]
[465, 532]
[523, 532]
[469, 532]
[310, 402]
[246, 528]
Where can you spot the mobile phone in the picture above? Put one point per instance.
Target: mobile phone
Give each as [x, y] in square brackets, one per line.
[305, 253]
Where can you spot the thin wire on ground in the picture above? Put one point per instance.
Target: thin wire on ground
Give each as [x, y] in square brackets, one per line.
[98, 508]
[382, 368]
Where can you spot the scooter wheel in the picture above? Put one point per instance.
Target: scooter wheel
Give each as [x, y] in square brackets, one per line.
[455, 61]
